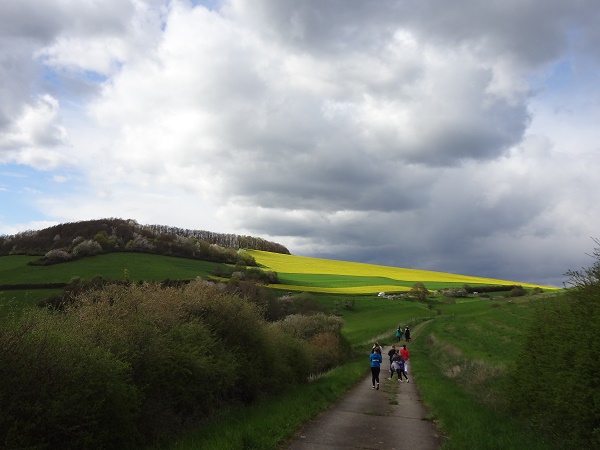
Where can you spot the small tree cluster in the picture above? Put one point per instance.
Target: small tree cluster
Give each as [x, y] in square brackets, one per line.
[420, 291]
[517, 291]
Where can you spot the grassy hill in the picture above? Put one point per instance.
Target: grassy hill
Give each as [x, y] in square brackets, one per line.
[296, 273]
[344, 277]
[464, 350]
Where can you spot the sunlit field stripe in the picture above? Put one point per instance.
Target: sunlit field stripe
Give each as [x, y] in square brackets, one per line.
[344, 290]
[307, 265]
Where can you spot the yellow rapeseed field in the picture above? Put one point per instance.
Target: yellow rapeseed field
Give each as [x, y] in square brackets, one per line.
[292, 264]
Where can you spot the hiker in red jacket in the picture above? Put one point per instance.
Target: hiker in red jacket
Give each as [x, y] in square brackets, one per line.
[405, 354]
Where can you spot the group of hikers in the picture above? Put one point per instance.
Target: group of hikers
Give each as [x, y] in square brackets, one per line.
[400, 333]
[398, 360]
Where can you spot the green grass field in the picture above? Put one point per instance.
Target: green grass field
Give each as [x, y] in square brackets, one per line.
[461, 361]
[460, 358]
[374, 317]
[16, 300]
[141, 266]
[488, 330]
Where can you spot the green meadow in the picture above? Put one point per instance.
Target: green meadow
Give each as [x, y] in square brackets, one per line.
[462, 356]
[140, 266]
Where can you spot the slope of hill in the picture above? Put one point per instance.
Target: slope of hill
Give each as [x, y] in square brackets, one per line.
[67, 248]
[323, 275]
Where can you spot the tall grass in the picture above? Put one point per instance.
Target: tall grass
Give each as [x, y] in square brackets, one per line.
[484, 329]
[462, 363]
[463, 396]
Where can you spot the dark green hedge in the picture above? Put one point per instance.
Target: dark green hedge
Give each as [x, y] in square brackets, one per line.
[556, 382]
[126, 366]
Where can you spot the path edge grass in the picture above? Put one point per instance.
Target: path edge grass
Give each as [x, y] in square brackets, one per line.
[272, 422]
[462, 420]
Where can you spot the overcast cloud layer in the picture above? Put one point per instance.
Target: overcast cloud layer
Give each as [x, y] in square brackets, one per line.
[461, 139]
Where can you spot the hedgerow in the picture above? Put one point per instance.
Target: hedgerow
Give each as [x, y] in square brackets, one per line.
[556, 383]
[125, 366]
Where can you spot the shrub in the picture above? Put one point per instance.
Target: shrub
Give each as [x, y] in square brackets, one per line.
[329, 347]
[174, 358]
[562, 342]
[517, 291]
[306, 327]
[59, 392]
[455, 292]
[87, 248]
[58, 256]
[123, 366]
[244, 335]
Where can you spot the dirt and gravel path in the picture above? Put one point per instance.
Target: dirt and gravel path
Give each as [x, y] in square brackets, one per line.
[390, 418]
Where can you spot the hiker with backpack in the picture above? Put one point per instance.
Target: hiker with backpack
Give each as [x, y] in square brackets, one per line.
[399, 366]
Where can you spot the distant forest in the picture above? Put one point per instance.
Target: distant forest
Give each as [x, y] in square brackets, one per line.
[72, 240]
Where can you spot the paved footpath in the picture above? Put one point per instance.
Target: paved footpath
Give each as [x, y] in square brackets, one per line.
[370, 419]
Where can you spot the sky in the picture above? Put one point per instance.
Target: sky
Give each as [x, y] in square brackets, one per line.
[460, 138]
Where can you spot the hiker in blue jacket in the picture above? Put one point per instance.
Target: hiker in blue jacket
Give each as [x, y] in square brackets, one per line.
[376, 361]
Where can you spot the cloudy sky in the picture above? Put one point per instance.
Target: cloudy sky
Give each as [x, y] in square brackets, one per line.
[463, 139]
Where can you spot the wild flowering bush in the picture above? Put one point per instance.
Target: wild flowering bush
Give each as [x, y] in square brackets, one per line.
[125, 365]
[306, 327]
[58, 255]
[87, 248]
[328, 347]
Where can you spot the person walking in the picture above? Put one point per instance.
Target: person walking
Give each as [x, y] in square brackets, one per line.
[405, 355]
[399, 334]
[391, 353]
[376, 361]
[407, 334]
[399, 366]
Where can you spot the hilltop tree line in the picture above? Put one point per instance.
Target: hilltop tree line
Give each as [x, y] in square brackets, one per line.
[85, 238]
